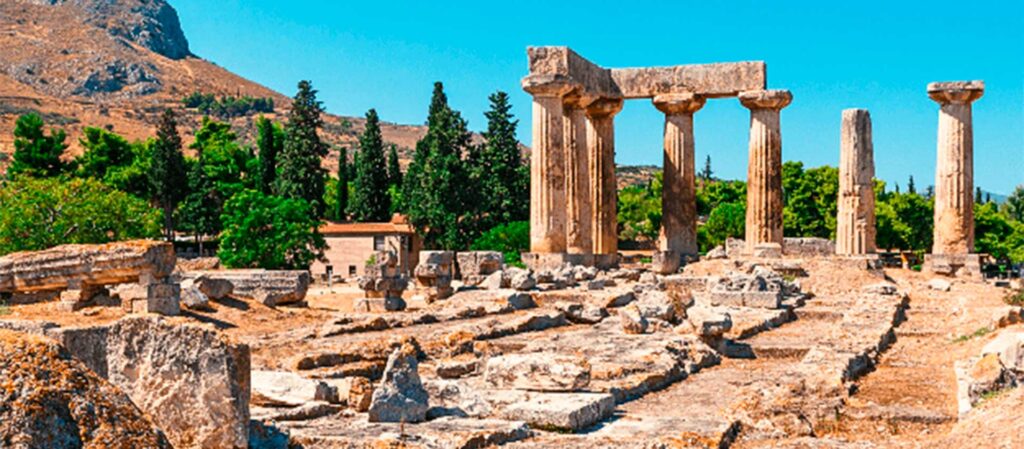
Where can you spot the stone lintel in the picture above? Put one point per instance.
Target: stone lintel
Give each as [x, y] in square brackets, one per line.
[956, 91]
[548, 85]
[709, 80]
[766, 99]
[679, 103]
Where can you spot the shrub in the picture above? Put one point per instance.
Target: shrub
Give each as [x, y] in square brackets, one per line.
[511, 239]
[271, 232]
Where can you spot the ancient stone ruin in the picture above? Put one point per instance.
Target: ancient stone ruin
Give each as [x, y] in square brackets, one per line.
[81, 273]
[383, 283]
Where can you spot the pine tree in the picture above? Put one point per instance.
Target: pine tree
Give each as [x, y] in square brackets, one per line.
[706, 174]
[167, 172]
[910, 185]
[269, 140]
[977, 195]
[37, 154]
[435, 189]
[497, 168]
[342, 194]
[201, 208]
[394, 168]
[300, 175]
[370, 198]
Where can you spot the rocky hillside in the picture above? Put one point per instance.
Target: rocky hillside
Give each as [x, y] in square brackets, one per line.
[117, 64]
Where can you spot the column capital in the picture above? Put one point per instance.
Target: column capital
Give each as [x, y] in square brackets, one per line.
[766, 99]
[547, 85]
[603, 107]
[956, 91]
[679, 103]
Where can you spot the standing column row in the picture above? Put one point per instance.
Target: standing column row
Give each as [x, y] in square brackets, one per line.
[579, 234]
[764, 170]
[600, 115]
[855, 220]
[678, 236]
[547, 165]
[954, 167]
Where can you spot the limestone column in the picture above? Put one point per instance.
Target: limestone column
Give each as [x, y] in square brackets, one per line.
[954, 167]
[577, 178]
[679, 191]
[600, 115]
[855, 221]
[547, 164]
[764, 169]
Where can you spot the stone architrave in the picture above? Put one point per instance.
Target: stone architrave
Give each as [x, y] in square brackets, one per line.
[600, 115]
[855, 221]
[577, 178]
[547, 163]
[954, 167]
[679, 195]
[764, 172]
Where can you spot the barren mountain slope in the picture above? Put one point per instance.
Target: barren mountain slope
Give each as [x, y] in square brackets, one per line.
[117, 65]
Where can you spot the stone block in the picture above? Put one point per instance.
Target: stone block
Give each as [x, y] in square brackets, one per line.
[768, 251]
[538, 372]
[544, 261]
[270, 287]
[665, 262]
[400, 396]
[562, 411]
[967, 266]
[632, 319]
[475, 265]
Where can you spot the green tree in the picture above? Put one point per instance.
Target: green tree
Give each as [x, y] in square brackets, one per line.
[228, 166]
[1014, 205]
[996, 234]
[706, 174]
[41, 213]
[394, 168]
[270, 141]
[639, 211]
[511, 239]
[435, 193]
[341, 195]
[167, 170]
[269, 232]
[910, 185]
[726, 220]
[500, 178]
[370, 200]
[35, 153]
[903, 221]
[810, 200]
[712, 193]
[300, 175]
[199, 212]
[110, 158]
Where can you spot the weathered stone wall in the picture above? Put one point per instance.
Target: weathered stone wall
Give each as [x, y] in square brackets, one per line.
[72, 266]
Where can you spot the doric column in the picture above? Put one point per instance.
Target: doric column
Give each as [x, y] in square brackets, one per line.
[679, 191]
[603, 190]
[954, 167]
[764, 170]
[855, 221]
[579, 239]
[547, 164]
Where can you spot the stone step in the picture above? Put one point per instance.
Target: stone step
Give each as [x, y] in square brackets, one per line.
[898, 413]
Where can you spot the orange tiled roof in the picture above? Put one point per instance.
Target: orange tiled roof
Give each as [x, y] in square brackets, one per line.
[398, 225]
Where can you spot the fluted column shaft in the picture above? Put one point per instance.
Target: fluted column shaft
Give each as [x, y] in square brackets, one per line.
[547, 167]
[679, 192]
[855, 220]
[764, 169]
[579, 238]
[954, 167]
[603, 189]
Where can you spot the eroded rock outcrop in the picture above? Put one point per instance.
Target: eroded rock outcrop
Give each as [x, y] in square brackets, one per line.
[50, 400]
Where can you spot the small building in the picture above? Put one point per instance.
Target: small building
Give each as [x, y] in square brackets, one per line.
[350, 245]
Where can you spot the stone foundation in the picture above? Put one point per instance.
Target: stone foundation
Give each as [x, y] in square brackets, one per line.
[954, 265]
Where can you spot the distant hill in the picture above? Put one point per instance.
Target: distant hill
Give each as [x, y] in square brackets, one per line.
[118, 64]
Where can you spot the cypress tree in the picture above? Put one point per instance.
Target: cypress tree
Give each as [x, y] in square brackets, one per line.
[497, 165]
[910, 185]
[300, 174]
[342, 194]
[706, 174]
[269, 140]
[394, 168]
[35, 153]
[370, 198]
[200, 210]
[167, 171]
[435, 185]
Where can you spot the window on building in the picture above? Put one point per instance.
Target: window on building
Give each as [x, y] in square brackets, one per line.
[351, 270]
[378, 243]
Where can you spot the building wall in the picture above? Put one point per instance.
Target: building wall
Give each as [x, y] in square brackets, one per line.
[345, 251]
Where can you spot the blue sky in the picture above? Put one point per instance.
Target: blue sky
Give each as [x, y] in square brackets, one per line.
[878, 55]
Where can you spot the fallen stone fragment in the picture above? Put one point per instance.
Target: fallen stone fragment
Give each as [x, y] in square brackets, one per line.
[717, 252]
[287, 389]
[494, 281]
[976, 377]
[633, 321]
[304, 412]
[939, 284]
[1007, 316]
[474, 266]
[521, 301]
[213, 288]
[51, 400]
[1009, 346]
[520, 279]
[379, 305]
[709, 322]
[453, 368]
[192, 297]
[270, 287]
[658, 304]
[400, 396]
[562, 411]
[539, 371]
[581, 313]
[884, 288]
[435, 272]
[360, 393]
